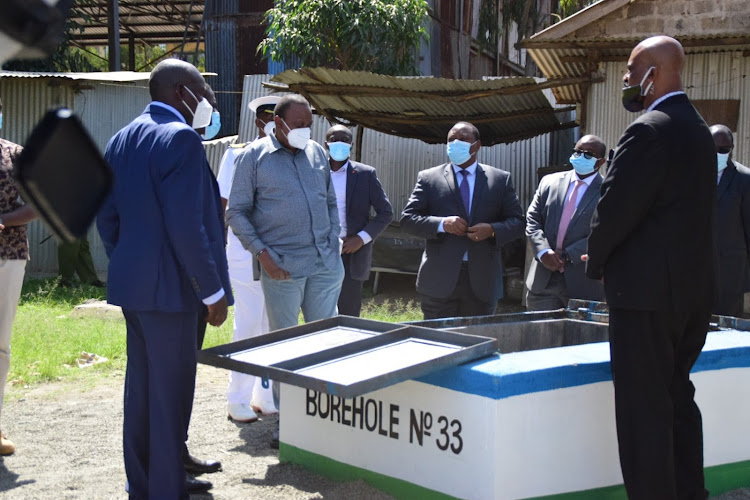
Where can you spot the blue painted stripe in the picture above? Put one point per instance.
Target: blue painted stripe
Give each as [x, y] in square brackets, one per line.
[514, 374]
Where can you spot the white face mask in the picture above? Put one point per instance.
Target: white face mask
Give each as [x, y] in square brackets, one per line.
[298, 137]
[269, 128]
[202, 113]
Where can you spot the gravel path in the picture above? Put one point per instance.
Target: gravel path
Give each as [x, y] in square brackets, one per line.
[69, 447]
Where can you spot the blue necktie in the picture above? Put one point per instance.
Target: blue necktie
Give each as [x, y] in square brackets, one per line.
[464, 189]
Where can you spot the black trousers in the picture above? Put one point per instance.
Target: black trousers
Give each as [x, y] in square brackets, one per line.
[350, 297]
[659, 427]
[461, 302]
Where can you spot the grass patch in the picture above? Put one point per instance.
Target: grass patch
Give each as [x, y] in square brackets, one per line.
[46, 341]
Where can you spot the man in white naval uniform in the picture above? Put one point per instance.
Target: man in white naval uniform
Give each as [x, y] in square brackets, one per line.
[246, 395]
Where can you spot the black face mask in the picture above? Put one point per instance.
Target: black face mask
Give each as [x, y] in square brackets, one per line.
[633, 95]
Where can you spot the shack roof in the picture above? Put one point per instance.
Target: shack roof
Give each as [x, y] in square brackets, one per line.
[574, 47]
[504, 109]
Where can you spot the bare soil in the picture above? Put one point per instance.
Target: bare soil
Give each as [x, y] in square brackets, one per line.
[69, 441]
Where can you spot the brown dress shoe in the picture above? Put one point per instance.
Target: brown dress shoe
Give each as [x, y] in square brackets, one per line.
[6, 445]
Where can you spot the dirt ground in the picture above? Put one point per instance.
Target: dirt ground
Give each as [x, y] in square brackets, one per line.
[69, 444]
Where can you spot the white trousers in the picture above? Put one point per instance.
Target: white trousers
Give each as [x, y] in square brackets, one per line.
[250, 320]
[11, 280]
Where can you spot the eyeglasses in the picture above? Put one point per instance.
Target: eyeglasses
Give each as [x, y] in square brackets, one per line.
[586, 154]
[724, 151]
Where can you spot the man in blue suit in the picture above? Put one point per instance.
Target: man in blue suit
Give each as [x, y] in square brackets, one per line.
[162, 228]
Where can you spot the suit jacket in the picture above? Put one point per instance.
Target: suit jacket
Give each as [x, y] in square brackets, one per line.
[733, 236]
[162, 226]
[363, 190]
[542, 223]
[435, 197]
[652, 236]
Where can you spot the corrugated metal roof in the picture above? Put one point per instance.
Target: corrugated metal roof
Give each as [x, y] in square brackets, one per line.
[504, 109]
[560, 53]
[111, 76]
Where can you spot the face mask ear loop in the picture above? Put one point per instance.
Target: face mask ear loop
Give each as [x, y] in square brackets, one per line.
[650, 85]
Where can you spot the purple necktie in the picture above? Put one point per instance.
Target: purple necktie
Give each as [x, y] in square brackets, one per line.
[464, 189]
[567, 214]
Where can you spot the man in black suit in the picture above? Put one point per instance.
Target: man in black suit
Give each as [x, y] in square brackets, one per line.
[652, 243]
[733, 226]
[466, 211]
[357, 189]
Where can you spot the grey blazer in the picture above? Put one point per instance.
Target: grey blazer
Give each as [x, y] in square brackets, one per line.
[435, 197]
[542, 221]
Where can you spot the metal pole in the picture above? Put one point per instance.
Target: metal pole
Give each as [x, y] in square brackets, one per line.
[131, 52]
[187, 27]
[113, 31]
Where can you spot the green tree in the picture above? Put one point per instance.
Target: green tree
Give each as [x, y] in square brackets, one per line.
[381, 36]
[570, 7]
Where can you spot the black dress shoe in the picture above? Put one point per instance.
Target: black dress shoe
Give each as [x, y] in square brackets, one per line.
[196, 485]
[197, 466]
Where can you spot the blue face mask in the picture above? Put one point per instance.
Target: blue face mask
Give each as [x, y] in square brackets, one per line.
[213, 128]
[339, 151]
[459, 151]
[1, 120]
[581, 165]
[721, 161]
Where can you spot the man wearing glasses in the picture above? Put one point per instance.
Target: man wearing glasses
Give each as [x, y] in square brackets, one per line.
[558, 224]
[733, 226]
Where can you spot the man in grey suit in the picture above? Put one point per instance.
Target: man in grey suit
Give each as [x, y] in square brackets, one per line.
[733, 226]
[466, 211]
[558, 224]
[357, 189]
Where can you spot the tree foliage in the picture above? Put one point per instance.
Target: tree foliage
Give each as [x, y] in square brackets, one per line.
[570, 7]
[381, 36]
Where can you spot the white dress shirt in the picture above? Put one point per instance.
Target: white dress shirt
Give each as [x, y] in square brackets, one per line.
[579, 196]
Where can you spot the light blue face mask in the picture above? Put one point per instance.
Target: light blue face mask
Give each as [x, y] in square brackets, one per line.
[339, 151]
[721, 161]
[213, 128]
[581, 165]
[1, 121]
[459, 151]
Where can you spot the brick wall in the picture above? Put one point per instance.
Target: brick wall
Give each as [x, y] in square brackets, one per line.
[672, 17]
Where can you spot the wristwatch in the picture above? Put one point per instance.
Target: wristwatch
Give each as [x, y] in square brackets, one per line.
[261, 252]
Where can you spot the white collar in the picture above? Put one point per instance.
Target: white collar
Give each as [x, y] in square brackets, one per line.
[342, 169]
[664, 98]
[588, 180]
[170, 108]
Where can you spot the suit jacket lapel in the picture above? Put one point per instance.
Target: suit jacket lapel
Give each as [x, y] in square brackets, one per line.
[351, 180]
[588, 197]
[726, 180]
[450, 178]
[480, 186]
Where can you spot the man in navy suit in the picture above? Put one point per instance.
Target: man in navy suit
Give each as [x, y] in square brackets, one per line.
[162, 229]
[357, 189]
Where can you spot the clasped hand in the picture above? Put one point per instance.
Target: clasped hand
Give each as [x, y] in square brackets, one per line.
[458, 226]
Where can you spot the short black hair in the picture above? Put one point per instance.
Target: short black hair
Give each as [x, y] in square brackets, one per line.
[471, 126]
[287, 101]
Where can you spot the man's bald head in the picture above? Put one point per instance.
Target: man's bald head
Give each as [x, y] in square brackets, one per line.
[171, 74]
[658, 61]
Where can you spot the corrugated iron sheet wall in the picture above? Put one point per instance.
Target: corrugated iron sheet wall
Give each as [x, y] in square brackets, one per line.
[109, 107]
[221, 58]
[706, 76]
[25, 100]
